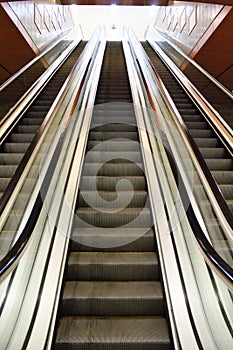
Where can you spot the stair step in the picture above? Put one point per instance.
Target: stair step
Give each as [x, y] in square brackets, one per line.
[207, 142]
[7, 171]
[190, 111]
[103, 217]
[4, 182]
[219, 164]
[119, 239]
[22, 138]
[32, 121]
[212, 153]
[116, 199]
[111, 112]
[16, 147]
[111, 169]
[227, 190]
[103, 136]
[110, 298]
[10, 158]
[111, 128]
[201, 133]
[27, 129]
[102, 182]
[112, 266]
[95, 156]
[120, 145]
[108, 119]
[197, 125]
[115, 333]
[223, 177]
[192, 118]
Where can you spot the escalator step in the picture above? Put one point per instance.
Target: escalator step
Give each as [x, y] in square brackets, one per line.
[112, 239]
[213, 153]
[227, 190]
[133, 199]
[26, 129]
[112, 169]
[133, 217]
[16, 147]
[207, 142]
[119, 145]
[7, 171]
[22, 138]
[123, 266]
[197, 125]
[112, 298]
[117, 333]
[201, 133]
[100, 136]
[219, 164]
[10, 159]
[4, 182]
[111, 128]
[95, 156]
[102, 182]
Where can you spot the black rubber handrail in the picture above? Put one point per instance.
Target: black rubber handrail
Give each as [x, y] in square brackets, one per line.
[10, 260]
[207, 249]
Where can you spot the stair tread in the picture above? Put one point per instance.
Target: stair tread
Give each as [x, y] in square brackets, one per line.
[109, 258]
[113, 289]
[113, 330]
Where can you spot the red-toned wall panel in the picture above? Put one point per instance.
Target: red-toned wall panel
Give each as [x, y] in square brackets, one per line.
[15, 51]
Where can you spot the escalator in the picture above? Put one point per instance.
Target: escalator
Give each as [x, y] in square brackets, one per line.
[113, 294]
[215, 154]
[17, 142]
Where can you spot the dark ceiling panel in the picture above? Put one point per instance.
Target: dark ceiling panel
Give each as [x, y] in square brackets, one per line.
[140, 2]
[117, 2]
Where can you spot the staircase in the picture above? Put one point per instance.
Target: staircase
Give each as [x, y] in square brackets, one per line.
[113, 295]
[216, 156]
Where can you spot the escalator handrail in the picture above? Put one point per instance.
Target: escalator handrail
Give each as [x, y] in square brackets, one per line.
[214, 191]
[11, 259]
[10, 122]
[198, 159]
[215, 120]
[211, 256]
[34, 60]
[15, 113]
[194, 63]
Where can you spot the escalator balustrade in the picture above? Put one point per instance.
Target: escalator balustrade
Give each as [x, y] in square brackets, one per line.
[17, 142]
[216, 156]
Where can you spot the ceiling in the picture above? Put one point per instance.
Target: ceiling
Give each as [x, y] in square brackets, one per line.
[134, 2]
[139, 2]
[117, 2]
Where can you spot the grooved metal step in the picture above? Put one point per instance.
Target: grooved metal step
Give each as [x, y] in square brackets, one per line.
[102, 182]
[121, 198]
[124, 266]
[122, 333]
[120, 239]
[112, 298]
